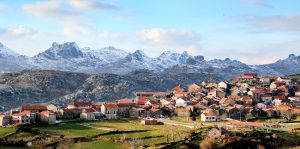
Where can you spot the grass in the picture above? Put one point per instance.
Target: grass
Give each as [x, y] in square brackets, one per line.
[150, 130]
[295, 76]
[98, 144]
[6, 131]
[70, 130]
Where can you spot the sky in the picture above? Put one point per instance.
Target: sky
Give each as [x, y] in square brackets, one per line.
[252, 31]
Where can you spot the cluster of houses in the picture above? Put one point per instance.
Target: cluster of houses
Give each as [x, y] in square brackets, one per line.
[241, 98]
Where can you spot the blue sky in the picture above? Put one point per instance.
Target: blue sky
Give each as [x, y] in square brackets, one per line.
[253, 31]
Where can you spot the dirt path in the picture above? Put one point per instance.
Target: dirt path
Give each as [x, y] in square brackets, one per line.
[100, 128]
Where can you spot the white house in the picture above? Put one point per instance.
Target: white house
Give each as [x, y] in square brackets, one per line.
[88, 114]
[110, 110]
[181, 103]
[222, 84]
[297, 93]
[209, 115]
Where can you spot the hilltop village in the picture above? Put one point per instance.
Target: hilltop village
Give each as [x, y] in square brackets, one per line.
[241, 98]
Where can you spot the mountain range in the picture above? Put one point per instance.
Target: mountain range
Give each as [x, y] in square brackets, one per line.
[69, 57]
[65, 73]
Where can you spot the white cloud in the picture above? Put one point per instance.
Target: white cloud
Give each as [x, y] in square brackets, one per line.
[275, 23]
[114, 37]
[3, 6]
[48, 8]
[17, 32]
[91, 4]
[160, 36]
[260, 3]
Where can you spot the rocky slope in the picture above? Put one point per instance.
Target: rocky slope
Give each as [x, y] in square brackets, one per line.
[28, 87]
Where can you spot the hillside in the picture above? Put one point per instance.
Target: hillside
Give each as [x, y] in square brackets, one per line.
[27, 87]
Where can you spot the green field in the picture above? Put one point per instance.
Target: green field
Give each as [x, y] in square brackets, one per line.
[174, 133]
[6, 131]
[70, 129]
[132, 133]
[98, 144]
[295, 76]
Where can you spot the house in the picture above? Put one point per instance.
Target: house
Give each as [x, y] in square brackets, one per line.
[165, 102]
[297, 92]
[217, 132]
[124, 106]
[34, 108]
[97, 105]
[194, 88]
[142, 100]
[276, 84]
[181, 103]
[256, 94]
[227, 101]
[234, 97]
[79, 105]
[52, 107]
[209, 115]
[247, 100]
[267, 99]
[47, 117]
[212, 93]
[88, 114]
[151, 103]
[265, 80]
[21, 118]
[150, 121]
[69, 113]
[183, 112]
[110, 110]
[222, 85]
[4, 120]
[154, 112]
[177, 89]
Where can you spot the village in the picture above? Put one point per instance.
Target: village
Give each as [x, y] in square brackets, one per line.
[246, 101]
[241, 98]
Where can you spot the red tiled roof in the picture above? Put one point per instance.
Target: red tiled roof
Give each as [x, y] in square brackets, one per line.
[282, 108]
[209, 112]
[152, 102]
[226, 100]
[46, 113]
[246, 98]
[33, 107]
[142, 100]
[187, 109]
[121, 101]
[234, 97]
[177, 88]
[110, 105]
[258, 91]
[90, 110]
[22, 113]
[282, 88]
[154, 110]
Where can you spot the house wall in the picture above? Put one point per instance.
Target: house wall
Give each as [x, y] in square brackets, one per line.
[4, 120]
[208, 118]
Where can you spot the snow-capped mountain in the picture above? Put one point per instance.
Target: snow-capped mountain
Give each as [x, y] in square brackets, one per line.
[11, 61]
[5, 52]
[69, 57]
